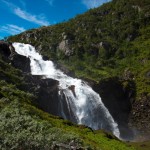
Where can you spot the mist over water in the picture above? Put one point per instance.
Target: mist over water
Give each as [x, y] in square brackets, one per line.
[84, 106]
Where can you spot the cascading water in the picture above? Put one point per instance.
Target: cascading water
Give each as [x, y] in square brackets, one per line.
[84, 106]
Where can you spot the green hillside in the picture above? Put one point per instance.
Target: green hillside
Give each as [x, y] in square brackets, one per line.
[101, 43]
[109, 42]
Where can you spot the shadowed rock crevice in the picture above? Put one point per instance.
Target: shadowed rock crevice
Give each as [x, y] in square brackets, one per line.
[118, 100]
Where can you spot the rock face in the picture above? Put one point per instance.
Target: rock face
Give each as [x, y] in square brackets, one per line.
[65, 48]
[9, 55]
[117, 99]
[21, 62]
[72, 88]
[49, 97]
[5, 51]
[46, 92]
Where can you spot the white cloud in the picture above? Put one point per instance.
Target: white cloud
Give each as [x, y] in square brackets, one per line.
[37, 19]
[11, 29]
[50, 2]
[40, 19]
[93, 3]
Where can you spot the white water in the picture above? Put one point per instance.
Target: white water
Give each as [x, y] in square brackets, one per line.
[84, 106]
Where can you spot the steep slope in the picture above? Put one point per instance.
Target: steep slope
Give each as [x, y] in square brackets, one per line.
[109, 44]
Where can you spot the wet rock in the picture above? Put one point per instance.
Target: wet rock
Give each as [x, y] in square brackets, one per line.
[65, 107]
[49, 97]
[116, 100]
[72, 88]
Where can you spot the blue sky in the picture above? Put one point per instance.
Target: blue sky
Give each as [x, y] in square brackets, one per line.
[20, 15]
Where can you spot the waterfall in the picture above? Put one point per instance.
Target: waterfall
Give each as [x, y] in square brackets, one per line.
[84, 106]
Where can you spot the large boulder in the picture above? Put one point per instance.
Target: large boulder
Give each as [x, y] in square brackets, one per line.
[45, 91]
[49, 97]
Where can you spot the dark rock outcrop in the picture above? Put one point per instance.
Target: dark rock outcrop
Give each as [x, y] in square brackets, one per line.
[118, 101]
[21, 62]
[72, 88]
[5, 51]
[46, 92]
[9, 55]
[49, 97]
